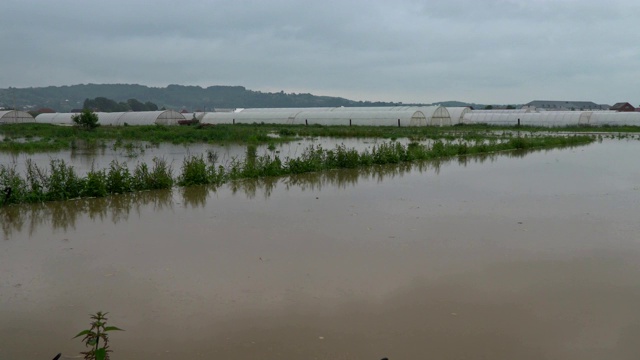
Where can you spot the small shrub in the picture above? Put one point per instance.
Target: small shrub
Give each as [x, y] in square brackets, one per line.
[286, 132]
[119, 179]
[194, 171]
[63, 183]
[95, 184]
[87, 120]
[12, 186]
[161, 173]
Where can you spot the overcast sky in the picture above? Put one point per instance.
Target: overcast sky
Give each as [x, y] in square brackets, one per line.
[483, 51]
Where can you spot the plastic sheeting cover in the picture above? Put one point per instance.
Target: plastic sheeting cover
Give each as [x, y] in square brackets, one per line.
[15, 116]
[133, 118]
[372, 116]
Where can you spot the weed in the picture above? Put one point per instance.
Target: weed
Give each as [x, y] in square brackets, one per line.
[194, 171]
[212, 156]
[252, 151]
[95, 184]
[96, 338]
[119, 179]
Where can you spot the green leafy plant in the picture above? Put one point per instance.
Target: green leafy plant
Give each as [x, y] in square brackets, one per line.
[87, 119]
[96, 337]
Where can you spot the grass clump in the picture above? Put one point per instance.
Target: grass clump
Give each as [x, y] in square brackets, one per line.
[60, 181]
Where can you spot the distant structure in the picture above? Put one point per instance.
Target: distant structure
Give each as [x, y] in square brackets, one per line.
[133, 118]
[348, 116]
[457, 113]
[623, 107]
[15, 117]
[566, 105]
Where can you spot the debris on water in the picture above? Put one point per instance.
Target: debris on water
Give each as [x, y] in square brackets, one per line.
[321, 337]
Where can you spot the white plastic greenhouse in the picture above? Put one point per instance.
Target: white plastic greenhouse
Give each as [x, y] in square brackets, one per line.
[133, 118]
[15, 117]
[598, 118]
[371, 116]
[250, 116]
[457, 114]
[507, 111]
[554, 118]
[546, 118]
[194, 115]
[55, 118]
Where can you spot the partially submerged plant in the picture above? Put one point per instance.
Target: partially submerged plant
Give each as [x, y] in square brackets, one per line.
[99, 350]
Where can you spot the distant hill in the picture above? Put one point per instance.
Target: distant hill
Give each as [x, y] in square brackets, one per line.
[475, 106]
[177, 97]
[454, 103]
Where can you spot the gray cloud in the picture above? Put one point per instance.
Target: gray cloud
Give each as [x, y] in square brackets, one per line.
[498, 51]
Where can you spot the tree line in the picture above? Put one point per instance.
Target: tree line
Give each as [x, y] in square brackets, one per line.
[102, 104]
[177, 97]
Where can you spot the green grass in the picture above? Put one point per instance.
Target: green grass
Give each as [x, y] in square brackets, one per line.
[45, 137]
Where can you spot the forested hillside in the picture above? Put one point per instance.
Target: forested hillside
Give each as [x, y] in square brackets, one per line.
[177, 97]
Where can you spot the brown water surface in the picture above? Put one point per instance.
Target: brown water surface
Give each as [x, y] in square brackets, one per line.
[84, 157]
[505, 257]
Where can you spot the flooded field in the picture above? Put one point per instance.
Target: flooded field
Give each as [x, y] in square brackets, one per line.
[522, 256]
[132, 153]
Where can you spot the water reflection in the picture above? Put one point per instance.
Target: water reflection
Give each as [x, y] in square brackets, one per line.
[65, 215]
[195, 196]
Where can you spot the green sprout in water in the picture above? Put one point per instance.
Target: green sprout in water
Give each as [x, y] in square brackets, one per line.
[99, 350]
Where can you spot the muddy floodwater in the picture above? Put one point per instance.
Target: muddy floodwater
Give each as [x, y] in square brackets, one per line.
[131, 153]
[528, 256]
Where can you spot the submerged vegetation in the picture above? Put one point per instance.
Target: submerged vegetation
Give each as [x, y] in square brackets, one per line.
[60, 181]
[45, 137]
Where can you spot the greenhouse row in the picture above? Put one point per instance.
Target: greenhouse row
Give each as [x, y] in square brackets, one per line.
[166, 117]
[347, 116]
[553, 118]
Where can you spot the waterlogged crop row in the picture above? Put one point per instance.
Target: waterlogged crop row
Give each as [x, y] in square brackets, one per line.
[60, 181]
